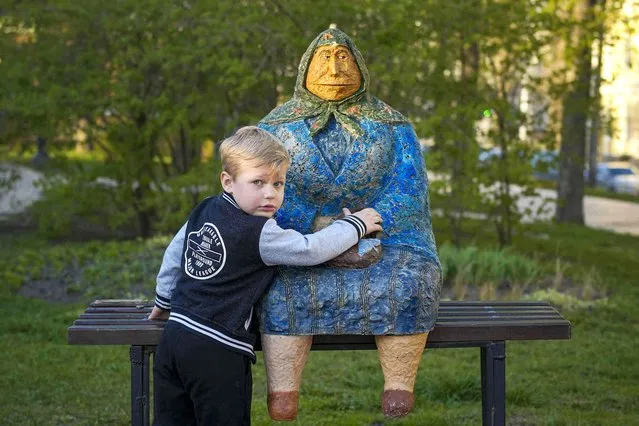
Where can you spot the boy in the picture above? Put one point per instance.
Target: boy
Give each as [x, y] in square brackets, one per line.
[215, 270]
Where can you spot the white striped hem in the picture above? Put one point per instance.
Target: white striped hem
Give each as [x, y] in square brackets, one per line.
[212, 333]
[230, 200]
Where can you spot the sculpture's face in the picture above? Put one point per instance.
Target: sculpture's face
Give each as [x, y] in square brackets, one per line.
[333, 74]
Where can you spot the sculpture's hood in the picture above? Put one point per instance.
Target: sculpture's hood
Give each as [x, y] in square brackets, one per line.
[360, 105]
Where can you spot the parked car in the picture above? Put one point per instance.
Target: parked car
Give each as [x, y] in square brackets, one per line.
[545, 165]
[489, 154]
[618, 176]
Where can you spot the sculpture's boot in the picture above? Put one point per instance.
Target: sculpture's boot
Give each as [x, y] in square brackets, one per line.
[284, 358]
[399, 357]
[282, 406]
[397, 403]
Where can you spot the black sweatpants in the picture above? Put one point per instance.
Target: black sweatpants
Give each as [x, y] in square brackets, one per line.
[198, 382]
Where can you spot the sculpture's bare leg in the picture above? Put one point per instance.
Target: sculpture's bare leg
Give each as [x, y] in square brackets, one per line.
[284, 358]
[399, 356]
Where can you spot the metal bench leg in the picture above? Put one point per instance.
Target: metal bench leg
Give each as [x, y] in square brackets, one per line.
[493, 384]
[140, 361]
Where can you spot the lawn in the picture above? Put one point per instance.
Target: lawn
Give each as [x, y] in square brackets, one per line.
[592, 379]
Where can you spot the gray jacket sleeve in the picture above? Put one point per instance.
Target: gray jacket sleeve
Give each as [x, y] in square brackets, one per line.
[169, 270]
[288, 247]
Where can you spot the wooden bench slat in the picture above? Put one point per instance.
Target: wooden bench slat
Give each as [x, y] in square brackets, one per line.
[107, 315]
[464, 312]
[135, 335]
[121, 302]
[118, 309]
[520, 319]
[492, 303]
[443, 304]
[443, 317]
[489, 305]
[444, 314]
[495, 318]
[452, 314]
[496, 309]
[442, 310]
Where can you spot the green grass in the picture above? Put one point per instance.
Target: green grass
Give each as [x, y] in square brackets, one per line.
[592, 379]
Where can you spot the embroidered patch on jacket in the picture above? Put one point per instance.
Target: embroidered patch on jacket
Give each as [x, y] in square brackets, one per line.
[205, 253]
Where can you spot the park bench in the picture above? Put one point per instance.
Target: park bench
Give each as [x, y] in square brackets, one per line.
[487, 325]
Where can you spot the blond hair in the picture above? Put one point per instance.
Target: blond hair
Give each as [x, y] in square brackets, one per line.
[252, 146]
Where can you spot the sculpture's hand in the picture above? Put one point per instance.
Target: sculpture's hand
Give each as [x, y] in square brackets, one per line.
[367, 251]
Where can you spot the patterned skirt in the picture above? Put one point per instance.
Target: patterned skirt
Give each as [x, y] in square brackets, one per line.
[397, 295]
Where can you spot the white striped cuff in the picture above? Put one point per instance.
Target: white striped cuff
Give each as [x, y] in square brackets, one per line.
[357, 223]
[162, 302]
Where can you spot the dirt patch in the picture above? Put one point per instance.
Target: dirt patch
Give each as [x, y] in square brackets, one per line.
[57, 290]
[50, 290]
[70, 285]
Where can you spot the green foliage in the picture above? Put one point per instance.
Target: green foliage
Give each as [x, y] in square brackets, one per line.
[71, 203]
[475, 266]
[563, 300]
[184, 192]
[8, 177]
[96, 269]
[145, 84]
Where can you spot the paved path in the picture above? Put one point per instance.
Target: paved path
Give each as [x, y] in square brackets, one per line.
[603, 213]
[23, 192]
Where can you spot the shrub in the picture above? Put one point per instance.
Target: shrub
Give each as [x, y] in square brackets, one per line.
[473, 266]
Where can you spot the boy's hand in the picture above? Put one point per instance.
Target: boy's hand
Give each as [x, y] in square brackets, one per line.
[371, 218]
[159, 314]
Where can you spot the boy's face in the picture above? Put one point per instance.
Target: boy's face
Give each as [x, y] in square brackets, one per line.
[259, 191]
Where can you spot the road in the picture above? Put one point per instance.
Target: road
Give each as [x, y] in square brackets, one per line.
[602, 213]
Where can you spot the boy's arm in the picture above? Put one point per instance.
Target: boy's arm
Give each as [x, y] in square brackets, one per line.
[288, 247]
[169, 274]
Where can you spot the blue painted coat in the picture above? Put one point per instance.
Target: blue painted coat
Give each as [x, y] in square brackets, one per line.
[383, 169]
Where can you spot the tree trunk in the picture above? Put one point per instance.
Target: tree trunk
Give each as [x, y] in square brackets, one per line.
[504, 220]
[570, 187]
[469, 57]
[595, 117]
[144, 215]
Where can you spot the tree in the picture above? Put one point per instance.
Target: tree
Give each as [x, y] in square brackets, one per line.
[150, 82]
[576, 106]
[595, 114]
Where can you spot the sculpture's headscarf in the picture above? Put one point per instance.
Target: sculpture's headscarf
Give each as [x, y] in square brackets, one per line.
[347, 111]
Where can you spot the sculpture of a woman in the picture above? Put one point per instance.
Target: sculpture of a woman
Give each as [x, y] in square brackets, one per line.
[350, 150]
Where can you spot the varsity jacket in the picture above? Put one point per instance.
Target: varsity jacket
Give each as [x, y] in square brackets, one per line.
[222, 260]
